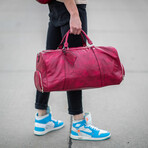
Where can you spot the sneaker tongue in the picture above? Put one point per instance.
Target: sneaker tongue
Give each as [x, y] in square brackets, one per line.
[88, 118]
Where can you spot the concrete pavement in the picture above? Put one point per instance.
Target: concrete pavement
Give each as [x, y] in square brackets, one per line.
[122, 109]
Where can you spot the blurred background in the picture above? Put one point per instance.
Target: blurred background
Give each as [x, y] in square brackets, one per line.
[122, 109]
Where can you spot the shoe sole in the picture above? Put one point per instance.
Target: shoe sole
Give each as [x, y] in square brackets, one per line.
[47, 131]
[89, 139]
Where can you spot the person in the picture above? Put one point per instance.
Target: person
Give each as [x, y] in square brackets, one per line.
[65, 15]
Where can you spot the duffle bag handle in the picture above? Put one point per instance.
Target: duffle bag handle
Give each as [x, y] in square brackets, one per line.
[66, 39]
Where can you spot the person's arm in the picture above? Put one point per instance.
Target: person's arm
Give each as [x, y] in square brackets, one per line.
[75, 22]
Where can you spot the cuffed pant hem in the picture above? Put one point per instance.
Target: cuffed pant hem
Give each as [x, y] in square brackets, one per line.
[75, 112]
[40, 106]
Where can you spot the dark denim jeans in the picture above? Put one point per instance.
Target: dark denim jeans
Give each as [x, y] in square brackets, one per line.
[58, 26]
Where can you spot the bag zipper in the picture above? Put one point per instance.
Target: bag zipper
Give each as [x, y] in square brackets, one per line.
[41, 83]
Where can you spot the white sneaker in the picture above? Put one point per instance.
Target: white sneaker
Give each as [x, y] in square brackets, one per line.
[45, 124]
[83, 130]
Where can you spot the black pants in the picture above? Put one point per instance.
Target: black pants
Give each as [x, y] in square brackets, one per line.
[54, 37]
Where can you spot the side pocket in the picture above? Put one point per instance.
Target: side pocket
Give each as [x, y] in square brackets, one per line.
[38, 81]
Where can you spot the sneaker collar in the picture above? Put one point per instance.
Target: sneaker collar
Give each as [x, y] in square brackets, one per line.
[87, 118]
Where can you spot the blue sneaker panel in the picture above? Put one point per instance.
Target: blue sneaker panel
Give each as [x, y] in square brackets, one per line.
[74, 133]
[44, 120]
[39, 129]
[95, 134]
[56, 124]
[61, 123]
[82, 123]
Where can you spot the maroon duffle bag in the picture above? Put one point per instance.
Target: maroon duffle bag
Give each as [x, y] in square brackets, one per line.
[77, 68]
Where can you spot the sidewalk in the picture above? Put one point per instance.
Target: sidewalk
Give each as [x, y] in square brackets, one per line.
[122, 109]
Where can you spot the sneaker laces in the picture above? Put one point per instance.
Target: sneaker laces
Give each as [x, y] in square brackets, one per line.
[58, 121]
[93, 127]
[54, 120]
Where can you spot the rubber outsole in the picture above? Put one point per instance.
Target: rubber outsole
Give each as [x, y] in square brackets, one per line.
[89, 139]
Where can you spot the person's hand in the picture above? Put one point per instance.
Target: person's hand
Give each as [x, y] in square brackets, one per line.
[75, 24]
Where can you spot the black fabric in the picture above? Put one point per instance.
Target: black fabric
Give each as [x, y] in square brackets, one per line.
[56, 31]
[59, 15]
